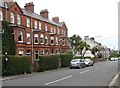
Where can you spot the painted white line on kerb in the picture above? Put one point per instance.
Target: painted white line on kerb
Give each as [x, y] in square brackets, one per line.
[114, 80]
[84, 71]
[58, 80]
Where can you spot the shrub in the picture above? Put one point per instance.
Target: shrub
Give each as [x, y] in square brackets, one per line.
[48, 62]
[16, 65]
[65, 60]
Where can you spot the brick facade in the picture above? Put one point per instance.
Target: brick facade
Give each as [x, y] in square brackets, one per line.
[22, 48]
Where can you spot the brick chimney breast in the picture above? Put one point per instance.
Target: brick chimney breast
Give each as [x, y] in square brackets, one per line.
[29, 6]
[44, 13]
[56, 19]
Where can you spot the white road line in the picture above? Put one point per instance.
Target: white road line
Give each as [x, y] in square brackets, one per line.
[97, 67]
[84, 71]
[58, 80]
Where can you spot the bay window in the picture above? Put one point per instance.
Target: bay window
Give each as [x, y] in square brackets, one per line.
[42, 39]
[35, 38]
[28, 38]
[20, 36]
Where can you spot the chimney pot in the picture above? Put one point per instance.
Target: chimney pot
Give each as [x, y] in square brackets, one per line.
[29, 6]
[44, 13]
[56, 19]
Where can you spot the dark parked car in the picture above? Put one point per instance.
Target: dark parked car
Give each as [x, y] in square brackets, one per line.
[77, 63]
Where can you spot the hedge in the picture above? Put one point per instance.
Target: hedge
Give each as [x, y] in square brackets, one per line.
[65, 60]
[16, 65]
[48, 62]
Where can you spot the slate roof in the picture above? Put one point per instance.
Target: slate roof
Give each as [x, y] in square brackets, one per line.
[31, 14]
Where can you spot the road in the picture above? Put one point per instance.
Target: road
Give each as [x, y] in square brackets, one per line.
[98, 75]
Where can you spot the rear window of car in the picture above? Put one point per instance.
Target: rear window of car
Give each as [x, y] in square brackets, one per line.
[74, 61]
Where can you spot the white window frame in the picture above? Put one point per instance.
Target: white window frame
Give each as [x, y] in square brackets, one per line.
[1, 16]
[52, 39]
[12, 20]
[51, 30]
[27, 22]
[57, 52]
[35, 25]
[46, 53]
[46, 39]
[62, 32]
[18, 19]
[58, 30]
[63, 40]
[21, 52]
[28, 53]
[35, 35]
[20, 32]
[42, 38]
[46, 27]
[28, 36]
[42, 52]
[54, 30]
[39, 25]
[57, 41]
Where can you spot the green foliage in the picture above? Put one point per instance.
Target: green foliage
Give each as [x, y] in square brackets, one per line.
[74, 42]
[8, 43]
[16, 65]
[114, 54]
[65, 60]
[48, 62]
[94, 50]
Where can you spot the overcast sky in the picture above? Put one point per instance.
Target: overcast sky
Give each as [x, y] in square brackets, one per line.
[84, 17]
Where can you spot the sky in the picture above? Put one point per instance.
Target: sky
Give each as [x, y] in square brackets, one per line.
[94, 18]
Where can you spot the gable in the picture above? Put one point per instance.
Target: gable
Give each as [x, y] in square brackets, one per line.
[13, 6]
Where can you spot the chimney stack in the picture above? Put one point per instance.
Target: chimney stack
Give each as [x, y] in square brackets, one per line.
[86, 37]
[29, 6]
[92, 38]
[44, 13]
[56, 19]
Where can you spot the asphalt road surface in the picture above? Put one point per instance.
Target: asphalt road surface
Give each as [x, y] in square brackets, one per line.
[100, 74]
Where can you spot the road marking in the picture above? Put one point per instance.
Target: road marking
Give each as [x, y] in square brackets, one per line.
[114, 80]
[58, 80]
[97, 67]
[84, 71]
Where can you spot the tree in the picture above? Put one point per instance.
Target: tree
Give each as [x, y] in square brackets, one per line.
[114, 54]
[8, 43]
[94, 50]
[74, 42]
[87, 47]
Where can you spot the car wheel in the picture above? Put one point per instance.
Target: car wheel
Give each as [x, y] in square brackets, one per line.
[70, 67]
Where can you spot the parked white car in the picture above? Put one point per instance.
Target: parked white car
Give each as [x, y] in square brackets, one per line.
[113, 59]
[88, 62]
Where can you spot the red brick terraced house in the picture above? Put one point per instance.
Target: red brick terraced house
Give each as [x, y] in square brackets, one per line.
[35, 34]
